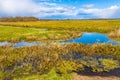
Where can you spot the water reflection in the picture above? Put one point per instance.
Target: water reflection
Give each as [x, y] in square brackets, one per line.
[19, 44]
[23, 43]
[92, 38]
[4, 43]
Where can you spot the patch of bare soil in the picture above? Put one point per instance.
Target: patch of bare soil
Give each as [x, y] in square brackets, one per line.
[112, 75]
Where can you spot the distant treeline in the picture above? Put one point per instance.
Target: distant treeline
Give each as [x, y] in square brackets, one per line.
[17, 19]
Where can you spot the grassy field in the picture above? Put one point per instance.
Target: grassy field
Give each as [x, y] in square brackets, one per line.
[15, 34]
[109, 27]
[103, 26]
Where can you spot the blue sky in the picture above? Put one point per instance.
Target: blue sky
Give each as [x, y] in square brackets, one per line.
[61, 9]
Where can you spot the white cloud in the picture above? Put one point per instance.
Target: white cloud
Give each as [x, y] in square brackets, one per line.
[17, 7]
[29, 7]
[45, 9]
[102, 13]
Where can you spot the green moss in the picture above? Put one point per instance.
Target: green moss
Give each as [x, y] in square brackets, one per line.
[69, 66]
[52, 75]
[1, 75]
[109, 64]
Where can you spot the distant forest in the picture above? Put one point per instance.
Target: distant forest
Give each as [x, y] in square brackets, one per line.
[26, 19]
[17, 19]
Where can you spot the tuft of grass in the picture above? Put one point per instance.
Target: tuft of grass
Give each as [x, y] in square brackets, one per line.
[1, 75]
[109, 64]
[115, 34]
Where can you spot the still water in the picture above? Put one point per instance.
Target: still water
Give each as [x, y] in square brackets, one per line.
[92, 38]
[23, 43]
[20, 44]
[86, 38]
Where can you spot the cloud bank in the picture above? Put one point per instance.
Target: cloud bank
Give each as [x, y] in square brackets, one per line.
[46, 9]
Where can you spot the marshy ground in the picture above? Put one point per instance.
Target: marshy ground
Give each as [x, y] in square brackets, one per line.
[56, 61]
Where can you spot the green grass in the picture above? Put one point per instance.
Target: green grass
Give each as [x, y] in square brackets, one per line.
[52, 75]
[1, 75]
[12, 32]
[31, 34]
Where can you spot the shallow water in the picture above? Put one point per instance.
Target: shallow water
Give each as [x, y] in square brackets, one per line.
[23, 43]
[19, 44]
[92, 38]
[4, 43]
[86, 38]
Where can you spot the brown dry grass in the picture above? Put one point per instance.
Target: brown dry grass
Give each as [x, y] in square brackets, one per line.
[115, 34]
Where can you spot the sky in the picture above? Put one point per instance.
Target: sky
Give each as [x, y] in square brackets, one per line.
[61, 9]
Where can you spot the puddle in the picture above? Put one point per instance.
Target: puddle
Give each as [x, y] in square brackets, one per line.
[23, 43]
[4, 43]
[92, 38]
[20, 44]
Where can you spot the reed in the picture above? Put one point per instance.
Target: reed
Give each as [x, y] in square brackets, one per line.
[65, 58]
[115, 34]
